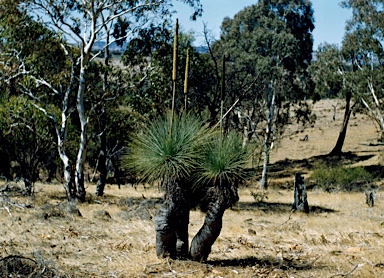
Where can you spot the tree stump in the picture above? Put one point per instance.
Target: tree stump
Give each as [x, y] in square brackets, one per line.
[369, 198]
[300, 202]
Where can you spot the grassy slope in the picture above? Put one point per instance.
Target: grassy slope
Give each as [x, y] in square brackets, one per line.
[115, 235]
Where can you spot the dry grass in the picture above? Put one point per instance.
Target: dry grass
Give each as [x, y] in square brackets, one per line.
[114, 236]
[258, 239]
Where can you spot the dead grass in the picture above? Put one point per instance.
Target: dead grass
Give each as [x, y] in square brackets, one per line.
[258, 239]
[113, 236]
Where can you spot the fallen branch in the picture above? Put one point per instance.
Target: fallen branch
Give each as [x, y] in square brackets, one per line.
[345, 274]
[289, 218]
[10, 257]
[7, 209]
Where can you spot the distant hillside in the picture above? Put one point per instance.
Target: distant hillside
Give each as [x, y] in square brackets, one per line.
[113, 47]
[120, 49]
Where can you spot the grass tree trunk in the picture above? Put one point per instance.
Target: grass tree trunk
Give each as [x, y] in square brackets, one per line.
[219, 199]
[201, 244]
[171, 222]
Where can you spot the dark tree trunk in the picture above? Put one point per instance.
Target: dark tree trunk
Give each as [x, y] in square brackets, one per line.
[201, 244]
[182, 244]
[102, 129]
[171, 222]
[103, 175]
[102, 156]
[369, 198]
[300, 202]
[28, 186]
[337, 150]
[80, 187]
[165, 230]
[214, 201]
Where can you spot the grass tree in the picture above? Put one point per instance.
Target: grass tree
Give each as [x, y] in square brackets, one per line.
[157, 154]
[222, 168]
[195, 167]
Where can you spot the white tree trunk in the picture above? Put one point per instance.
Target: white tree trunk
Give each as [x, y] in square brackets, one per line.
[61, 141]
[267, 144]
[375, 109]
[79, 176]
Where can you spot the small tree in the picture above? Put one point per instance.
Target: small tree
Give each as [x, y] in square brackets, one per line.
[171, 158]
[333, 76]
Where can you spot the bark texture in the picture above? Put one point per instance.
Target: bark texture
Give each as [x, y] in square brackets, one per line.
[337, 150]
[102, 155]
[102, 128]
[171, 222]
[215, 201]
[300, 202]
[201, 244]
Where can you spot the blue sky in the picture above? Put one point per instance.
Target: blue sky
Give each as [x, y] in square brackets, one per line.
[330, 18]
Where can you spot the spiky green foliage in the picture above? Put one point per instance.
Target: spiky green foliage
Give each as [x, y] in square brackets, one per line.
[156, 153]
[225, 161]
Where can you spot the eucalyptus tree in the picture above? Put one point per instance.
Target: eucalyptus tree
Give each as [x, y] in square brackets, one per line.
[269, 48]
[151, 55]
[31, 55]
[83, 23]
[333, 76]
[363, 44]
[26, 140]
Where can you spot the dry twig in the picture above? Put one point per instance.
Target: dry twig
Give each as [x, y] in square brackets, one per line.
[289, 218]
[345, 274]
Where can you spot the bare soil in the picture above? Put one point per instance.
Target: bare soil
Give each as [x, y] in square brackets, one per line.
[113, 236]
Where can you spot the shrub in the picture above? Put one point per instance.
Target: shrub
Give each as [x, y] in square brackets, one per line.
[341, 178]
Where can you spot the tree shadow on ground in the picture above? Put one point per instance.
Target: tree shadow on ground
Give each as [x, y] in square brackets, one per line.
[287, 263]
[271, 207]
[377, 171]
[287, 168]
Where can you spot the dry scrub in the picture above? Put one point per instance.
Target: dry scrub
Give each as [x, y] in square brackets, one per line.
[113, 236]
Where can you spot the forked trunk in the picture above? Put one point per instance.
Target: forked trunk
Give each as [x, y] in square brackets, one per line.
[201, 244]
[171, 222]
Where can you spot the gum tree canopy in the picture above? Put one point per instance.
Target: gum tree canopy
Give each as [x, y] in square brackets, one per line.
[269, 46]
[81, 24]
[363, 45]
